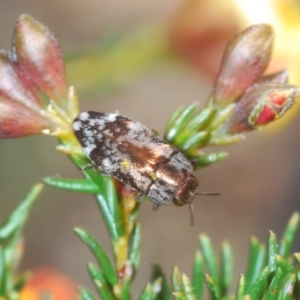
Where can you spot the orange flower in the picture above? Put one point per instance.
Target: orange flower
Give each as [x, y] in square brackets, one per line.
[47, 281]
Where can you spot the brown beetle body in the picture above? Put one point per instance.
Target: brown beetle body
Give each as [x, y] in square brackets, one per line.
[136, 156]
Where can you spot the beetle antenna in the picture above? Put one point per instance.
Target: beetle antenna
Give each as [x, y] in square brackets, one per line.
[208, 194]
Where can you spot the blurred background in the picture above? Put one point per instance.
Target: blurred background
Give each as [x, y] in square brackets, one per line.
[258, 182]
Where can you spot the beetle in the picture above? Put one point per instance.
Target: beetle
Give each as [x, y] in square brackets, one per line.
[137, 157]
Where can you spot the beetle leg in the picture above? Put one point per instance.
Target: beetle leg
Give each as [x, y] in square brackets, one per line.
[194, 162]
[155, 206]
[97, 169]
[139, 197]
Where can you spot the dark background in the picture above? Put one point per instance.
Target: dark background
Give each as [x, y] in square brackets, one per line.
[258, 182]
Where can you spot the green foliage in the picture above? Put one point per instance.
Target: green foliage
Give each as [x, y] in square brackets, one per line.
[189, 130]
[272, 273]
[11, 246]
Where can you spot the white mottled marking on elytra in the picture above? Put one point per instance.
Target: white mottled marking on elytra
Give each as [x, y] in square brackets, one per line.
[106, 162]
[99, 135]
[111, 117]
[77, 125]
[88, 149]
[84, 116]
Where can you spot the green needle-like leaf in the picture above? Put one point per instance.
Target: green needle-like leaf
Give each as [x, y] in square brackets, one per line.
[102, 285]
[152, 291]
[204, 160]
[284, 264]
[220, 116]
[113, 228]
[103, 292]
[3, 273]
[11, 245]
[287, 288]
[108, 202]
[86, 294]
[213, 287]
[274, 287]
[188, 288]
[180, 122]
[260, 284]
[74, 185]
[180, 296]
[107, 199]
[157, 286]
[177, 282]
[19, 216]
[99, 253]
[227, 268]
[13, 252]
[297, 256]
[135, 248]
[147, 293]
[174, 117]
[217, 138]
[197, 122]
[192, 141]
[198, 275]
[209, 256]
[257, 260]
[289, 236]
[272, 251]
[165, 293]
[296, 291]
[125, 293]
[241, 291]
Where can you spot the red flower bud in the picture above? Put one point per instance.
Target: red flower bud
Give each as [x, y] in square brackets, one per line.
[245, 59]
[39, 54]
[17, 120]
[260, 105]
[35, 64]
[15, 85]
[280, 77]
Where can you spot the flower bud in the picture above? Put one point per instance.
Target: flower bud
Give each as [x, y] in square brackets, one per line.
[280, 77]
[260, 105]
[38, 54]
[15, 85]
[17, 120]
[245, 59]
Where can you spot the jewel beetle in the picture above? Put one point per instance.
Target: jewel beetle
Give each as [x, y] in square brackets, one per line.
[136, 156]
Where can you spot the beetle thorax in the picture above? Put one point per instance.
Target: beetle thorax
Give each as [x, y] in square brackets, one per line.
[187, 192]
